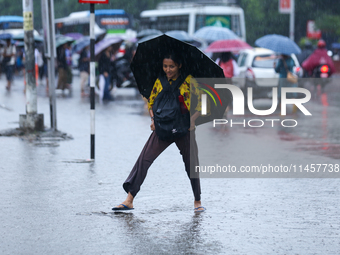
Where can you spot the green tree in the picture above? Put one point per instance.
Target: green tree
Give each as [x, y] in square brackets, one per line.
[262, 17]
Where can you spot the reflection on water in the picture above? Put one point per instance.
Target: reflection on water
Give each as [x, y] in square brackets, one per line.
[163, 233]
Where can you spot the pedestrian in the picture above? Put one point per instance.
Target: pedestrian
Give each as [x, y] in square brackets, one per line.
[228, 64]
[84, 69]
[283, 65]
[8, 61]
[2, 68]
[172, 76]
[104, 66]
[63, 79]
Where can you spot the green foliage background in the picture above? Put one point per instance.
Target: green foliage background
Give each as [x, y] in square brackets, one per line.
[262, 16]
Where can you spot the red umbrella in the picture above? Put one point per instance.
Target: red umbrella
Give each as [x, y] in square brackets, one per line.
[233, 45]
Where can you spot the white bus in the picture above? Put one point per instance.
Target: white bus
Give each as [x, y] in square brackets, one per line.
[13, 25]
[192, 16]
[111, 21]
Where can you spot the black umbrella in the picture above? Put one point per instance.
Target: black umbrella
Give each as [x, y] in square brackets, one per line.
[147, 66]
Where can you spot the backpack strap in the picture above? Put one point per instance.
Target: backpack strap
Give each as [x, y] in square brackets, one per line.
[175, 84]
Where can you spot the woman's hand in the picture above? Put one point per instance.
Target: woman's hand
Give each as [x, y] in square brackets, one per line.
[192, 125]
[193, 120]
[152, 126]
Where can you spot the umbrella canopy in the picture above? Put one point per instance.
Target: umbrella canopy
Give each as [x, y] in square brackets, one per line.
[147, 32]
[180, 35]
[80, 44]
[147, 66]
[185, 37]
[233, 45]
[211, 33]
[107, 42]
[146, 38]
[5, 36]
[61, 39]
[279, 44]
[21, 37]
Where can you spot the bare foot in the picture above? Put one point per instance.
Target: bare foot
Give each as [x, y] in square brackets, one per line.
[198, 206]
[128, 202]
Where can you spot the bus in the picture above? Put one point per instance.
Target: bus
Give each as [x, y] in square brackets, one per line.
[111, 22]
[190, 17]
[13, 25]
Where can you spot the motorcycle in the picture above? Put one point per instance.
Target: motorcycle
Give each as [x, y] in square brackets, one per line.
[122, 76]
[321, 74]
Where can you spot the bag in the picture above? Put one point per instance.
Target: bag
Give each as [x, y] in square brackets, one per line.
[171, 118]
[292, 78]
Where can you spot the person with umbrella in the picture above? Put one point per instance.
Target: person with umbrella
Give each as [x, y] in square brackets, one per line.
[8, 61]
[284, 64]
[104, 53]
[63, 68]
[172, 77]
[84, 68]
[104, 66]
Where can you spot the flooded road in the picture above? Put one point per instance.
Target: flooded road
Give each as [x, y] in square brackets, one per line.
[51, 204]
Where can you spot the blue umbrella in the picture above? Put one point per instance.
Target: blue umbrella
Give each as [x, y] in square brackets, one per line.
[105, 43]
[278, 43]
[211, 33]
[21, 37]
[80, 44]
[5, 36]
[61, 39]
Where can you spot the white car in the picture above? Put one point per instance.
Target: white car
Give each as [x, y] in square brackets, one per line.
[256, 70]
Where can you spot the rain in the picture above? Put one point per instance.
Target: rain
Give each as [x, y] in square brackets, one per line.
[269, 172]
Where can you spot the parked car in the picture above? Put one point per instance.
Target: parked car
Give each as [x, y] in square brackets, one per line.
[256, 68]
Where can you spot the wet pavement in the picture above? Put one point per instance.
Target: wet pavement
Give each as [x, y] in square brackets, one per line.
[52, 204]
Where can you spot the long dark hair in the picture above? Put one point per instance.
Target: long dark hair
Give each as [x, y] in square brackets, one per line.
[174, 57]
[177, 59]
[225, 56]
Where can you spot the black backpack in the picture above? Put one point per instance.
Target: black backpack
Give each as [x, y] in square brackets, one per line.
[171, 118]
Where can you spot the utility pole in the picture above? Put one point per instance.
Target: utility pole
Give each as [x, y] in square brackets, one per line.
[32, 120]
[292, 20]
[288, 7]
[47, 14]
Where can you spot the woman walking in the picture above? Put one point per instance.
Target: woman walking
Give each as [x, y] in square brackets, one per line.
[172, 76]
[284, 64]
[104, 66]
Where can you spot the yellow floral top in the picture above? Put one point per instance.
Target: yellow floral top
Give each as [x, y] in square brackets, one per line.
[184, 91]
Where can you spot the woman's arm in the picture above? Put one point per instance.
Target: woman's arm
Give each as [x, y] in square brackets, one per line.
[152, 126]
[193, 119]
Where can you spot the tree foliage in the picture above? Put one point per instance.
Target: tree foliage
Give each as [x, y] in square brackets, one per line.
[262, 17]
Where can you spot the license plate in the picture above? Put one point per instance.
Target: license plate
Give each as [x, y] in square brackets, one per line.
[324, 75]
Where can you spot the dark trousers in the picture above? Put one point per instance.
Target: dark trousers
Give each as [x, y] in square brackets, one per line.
[152, 149]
